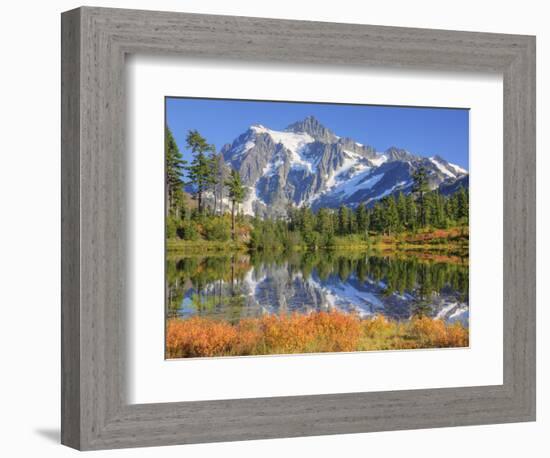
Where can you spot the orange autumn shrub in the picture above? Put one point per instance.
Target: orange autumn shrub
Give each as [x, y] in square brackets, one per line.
[315, 332]
[249, 337]
[435, 333]
[377, 325]
[198, 337]
[285, 334]
[457, 335]
[335, 331]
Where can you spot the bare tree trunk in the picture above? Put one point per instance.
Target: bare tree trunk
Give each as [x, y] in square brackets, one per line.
[233, 220]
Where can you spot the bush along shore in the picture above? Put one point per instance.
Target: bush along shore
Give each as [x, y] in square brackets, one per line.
[316, 332]
[436, 244]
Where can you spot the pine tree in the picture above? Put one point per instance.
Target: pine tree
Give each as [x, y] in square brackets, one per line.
[362, 218]
[307, 220]
[411, 212]
[392, 215]
[237, 193]
[462, 204]
[429, 209]
[420, 187]
[402, 210]
[377, 218]
[324, 222]
[440, 217]
[352, 222]
[293, 216]
[343, 220]
[174, 170]
[450, 208]
[200, 171]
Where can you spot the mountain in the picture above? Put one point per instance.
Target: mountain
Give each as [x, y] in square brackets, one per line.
[308, 164]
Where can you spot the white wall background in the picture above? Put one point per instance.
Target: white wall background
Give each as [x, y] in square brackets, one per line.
[30, 246]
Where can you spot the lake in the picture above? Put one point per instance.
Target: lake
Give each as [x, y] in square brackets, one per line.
[233, 286]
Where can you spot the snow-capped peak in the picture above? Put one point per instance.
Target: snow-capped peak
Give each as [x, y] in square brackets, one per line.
[307, 164]
[314, 128]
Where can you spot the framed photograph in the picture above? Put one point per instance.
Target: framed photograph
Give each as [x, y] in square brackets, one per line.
[281, 228]
[299, 240]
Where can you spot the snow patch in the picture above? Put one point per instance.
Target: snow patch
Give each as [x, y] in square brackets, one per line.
[388, 191]
[351, 159]
[441, 167]
[355, 184]
[457, 169]
[379, 159]
[295, 142]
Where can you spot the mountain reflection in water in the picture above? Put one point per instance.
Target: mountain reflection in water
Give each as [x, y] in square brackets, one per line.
[231, 287]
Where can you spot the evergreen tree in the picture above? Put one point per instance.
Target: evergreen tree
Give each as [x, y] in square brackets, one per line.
[450, 208]
[335, 221]
[352, 222]
[174, 170]
[411, 213]
[325, 223]
[420, 188]
[440, 216]
[311, 237]
[429, 211]
[362, 218]
[307, 220]
[200, 171]
[237, 193]
[392, 215]
[377, 218]
[343, 220]
[293, 217]
[462, 205]
[402, 210]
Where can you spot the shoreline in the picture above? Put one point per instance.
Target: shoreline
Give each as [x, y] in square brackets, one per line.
[444, 245]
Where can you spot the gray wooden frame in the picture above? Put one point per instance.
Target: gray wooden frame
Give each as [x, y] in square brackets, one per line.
[95, 414]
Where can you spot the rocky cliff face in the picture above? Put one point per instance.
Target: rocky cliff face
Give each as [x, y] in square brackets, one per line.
[308, 164]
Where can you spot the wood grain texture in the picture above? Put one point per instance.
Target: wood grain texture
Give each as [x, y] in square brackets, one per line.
[70, 229]
[95, 413]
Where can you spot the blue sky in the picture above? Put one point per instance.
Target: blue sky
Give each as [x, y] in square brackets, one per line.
[422, 131]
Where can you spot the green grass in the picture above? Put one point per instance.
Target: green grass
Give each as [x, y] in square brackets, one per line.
[202, 246]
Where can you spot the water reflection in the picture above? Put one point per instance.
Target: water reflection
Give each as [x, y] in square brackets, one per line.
[231, 287]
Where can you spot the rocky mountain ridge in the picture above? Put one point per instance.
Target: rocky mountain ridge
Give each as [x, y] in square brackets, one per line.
[308, 164]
